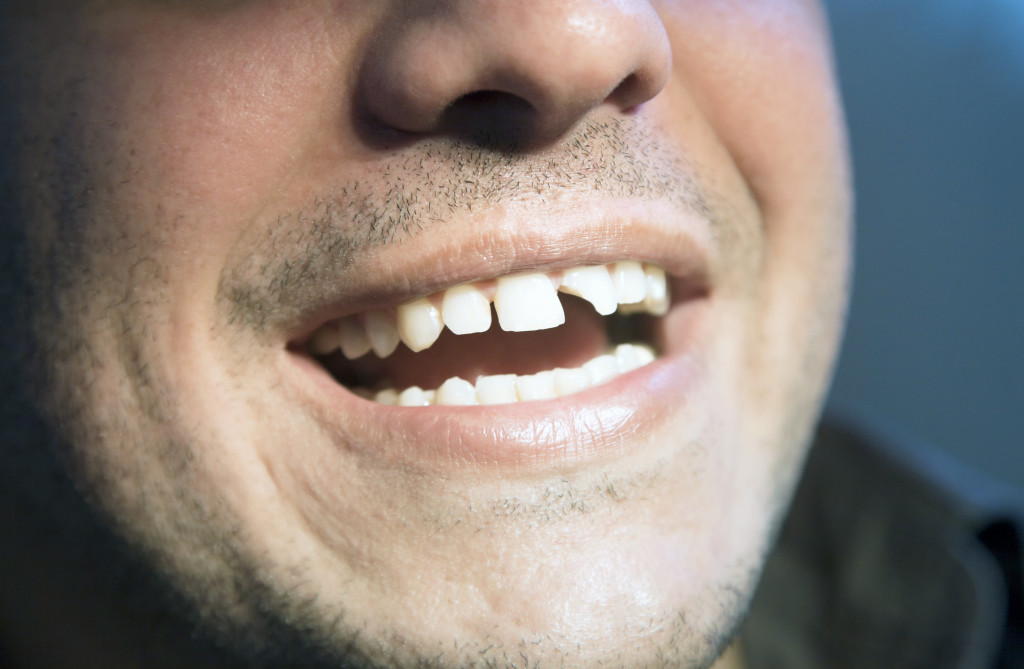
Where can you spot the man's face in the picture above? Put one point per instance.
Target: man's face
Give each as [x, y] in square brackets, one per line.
[215, 198]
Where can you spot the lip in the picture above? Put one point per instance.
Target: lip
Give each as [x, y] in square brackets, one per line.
[505, 241]
[600, 421]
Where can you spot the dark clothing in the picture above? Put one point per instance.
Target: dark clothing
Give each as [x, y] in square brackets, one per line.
[891, 558]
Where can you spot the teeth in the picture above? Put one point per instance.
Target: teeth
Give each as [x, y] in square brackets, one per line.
[527, 302]
[509, 388]
[540, 386]
[629, 281]
[569, 381]
[497, 389]
[456, 392]
[413, 397]
[656, 299]
[466, 310]
[354, 342]
[419, 324]
[523, 302]
[594, 285]
[324, 340]
[602, 368]
[382, 333]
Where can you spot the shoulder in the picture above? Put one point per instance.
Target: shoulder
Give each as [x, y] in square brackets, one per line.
[892, 555]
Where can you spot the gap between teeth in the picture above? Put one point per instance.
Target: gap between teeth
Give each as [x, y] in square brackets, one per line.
[511, 388]
[523, 302]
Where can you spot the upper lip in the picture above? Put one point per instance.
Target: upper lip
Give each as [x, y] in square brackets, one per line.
[496, 245]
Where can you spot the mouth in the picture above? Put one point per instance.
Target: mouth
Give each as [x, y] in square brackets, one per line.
[521, 340]
[517, 338]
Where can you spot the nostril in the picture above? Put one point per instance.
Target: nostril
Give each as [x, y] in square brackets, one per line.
[491, 119]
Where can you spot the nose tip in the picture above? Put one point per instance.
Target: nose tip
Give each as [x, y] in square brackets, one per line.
[534, 67]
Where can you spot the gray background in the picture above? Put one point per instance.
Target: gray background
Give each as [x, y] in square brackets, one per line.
[934, 92]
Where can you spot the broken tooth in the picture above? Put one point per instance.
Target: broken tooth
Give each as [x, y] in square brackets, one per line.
[382, 332]
[629, 281]
[496, 389]
[527, 302]
[466, 310]
[352, 338]
[388, 396]
[456, 392]
[656, 299]
[419, 324]
[540, 386]
[594, 285]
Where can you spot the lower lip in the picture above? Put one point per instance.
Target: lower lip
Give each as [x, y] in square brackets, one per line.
[604, 420]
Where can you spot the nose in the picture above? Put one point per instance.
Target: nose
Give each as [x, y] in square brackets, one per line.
[524, 68]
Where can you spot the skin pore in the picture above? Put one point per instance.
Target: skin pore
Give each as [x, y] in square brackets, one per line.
[195, 187]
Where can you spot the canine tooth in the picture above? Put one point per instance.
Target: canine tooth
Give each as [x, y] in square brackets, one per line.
[419, 324]
[413, 397]
[465, 310]
[324, 340]
[656, 300]
[569, 381]
[456, 392]
[496, 389]
[626, 357]
[540, 386]
[527, 302]
[352, 337]
[382, 333]
[594, 285]
[387, 396]
[629, 281]
[602, 368]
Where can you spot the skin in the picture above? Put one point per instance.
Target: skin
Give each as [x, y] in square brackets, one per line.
[190, 180]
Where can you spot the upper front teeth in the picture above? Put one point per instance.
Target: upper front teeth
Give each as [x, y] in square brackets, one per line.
[523, 302]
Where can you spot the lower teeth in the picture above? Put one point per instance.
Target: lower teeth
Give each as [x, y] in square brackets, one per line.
[510, 388]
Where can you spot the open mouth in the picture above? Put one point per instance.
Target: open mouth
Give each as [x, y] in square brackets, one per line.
[556, 333]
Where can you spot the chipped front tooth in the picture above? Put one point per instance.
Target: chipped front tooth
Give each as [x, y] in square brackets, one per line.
[527, 302]
[387, 396]
[456, 392]
[594, 285]
[569, 381]
[413, 397]
[496, 389]
[324, 340]
[656, 299]
[540, 386]
[466, 309]
[352, 338]
[602, 368]
[382, 333]
[629, 281]
[419, 324]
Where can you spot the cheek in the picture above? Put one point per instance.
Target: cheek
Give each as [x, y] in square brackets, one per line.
[761, 74]
[209, 119]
